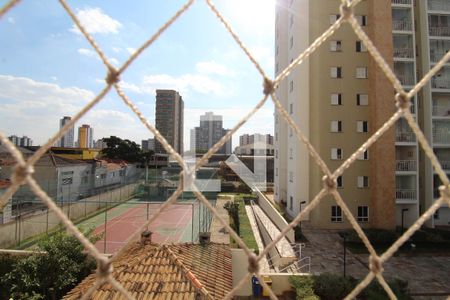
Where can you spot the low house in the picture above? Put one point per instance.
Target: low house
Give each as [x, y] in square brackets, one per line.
[178, 271]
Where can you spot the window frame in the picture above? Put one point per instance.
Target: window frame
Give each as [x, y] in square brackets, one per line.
[336, 214]
[361, 217]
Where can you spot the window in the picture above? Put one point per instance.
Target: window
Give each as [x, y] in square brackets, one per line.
[291, 42]
[291, 86]
[334, 18]
[339, 182]
[336, 99]
[336, 126]
[363, 213]
[66, 181]
[336, 46]
[336, 213]
[291, 20]
[291, 176]
[103, 176]
[122, 173]
[84, 180]
[362, 126]
[364, 155]
[361, 72]
[290, 153]
[291, 108]
[363, 182]
[362, 99]
[276, 153]
[276, 136]
[276, 171]
[360, 47]
[362, 20]
[290, 131]
[291, 202]
[66, 173]
[336, 72]
[336, 153]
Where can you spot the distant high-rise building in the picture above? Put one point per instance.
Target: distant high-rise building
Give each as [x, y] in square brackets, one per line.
[100, 144]
[247, 139]
[148, 145]
[85, 136]
[21, 141]
[68, 139]
[169, 115]
[209, 133]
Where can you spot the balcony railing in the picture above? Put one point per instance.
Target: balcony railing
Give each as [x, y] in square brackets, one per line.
[401, 25]
[405, 136]
[441, 137]
[445, 164]
[437, 5]
[403, 53]
[440, 83]
[406, 165]
[401, 2]
[436, 56]
[441, 110]
[405, 194]
[439, 31]
[406, 79]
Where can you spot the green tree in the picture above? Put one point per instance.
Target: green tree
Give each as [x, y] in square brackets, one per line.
[51, 275]
[122, 149]
[233, 211]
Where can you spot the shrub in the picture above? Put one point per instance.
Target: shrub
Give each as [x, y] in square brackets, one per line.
[376, 292]
[375, 236]
[303, 286]
[330, 286]
[233, 211]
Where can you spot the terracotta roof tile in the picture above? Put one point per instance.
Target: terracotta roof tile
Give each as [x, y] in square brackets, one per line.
[180, 271]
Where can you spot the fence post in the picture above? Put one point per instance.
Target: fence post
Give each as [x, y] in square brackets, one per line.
[148, 204]
[46, 228]
[104, 233]
[192, 222]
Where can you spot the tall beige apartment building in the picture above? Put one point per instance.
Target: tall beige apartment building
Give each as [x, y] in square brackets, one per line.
[339, 98]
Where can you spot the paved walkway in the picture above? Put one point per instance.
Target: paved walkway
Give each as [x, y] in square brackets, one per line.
[264, 264]
[218, 232]
[424, 274]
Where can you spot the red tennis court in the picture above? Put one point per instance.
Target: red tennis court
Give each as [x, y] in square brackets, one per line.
[172, 225]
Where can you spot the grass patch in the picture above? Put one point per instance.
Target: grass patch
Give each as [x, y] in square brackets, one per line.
[246, 232]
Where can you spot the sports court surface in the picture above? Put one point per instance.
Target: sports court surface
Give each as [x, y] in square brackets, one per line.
[173, 225]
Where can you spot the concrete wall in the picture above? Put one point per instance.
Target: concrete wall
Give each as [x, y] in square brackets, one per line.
[274, 215]
[280, 281]
[39, 222]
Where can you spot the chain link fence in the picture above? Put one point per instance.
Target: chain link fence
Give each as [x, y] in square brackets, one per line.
[23, 173]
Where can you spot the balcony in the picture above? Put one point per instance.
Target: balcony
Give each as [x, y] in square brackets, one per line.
[402, 25]
[405, 137]
[441, 111]
[406, 165]
[442, 5]
[440, 83]
[436, 55]
[403, 53]
[439, 31]
[441, 137]
[445, 164]
[406, 79]
[403, 2]
[405, 194]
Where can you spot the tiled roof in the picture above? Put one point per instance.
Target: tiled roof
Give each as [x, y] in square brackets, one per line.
[179, 271]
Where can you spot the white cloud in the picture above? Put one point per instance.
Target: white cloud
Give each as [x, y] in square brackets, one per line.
[87, 52]
[113, 60]
[117, 49]
[94, 20]
[196, 82]
[126, 86]
[54, 78]
[131, 50]
[33, 108]
[11, 20]
[212, 67]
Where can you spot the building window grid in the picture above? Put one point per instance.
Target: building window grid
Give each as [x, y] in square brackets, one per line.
[360, 47]
[336, 72]
[336, 46]
[336, 126]
[361, 73]
[340, 182]
[336, 99]
[363, 182]
[336, 153]
[362, 20]
[362, 99]
[336, 214]
[362, 126]
[334, 18]
[363, 213]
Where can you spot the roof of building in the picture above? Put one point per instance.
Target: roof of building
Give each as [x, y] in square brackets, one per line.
[179, 271]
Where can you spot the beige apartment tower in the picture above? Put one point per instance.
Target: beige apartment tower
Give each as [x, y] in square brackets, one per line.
[339, 97]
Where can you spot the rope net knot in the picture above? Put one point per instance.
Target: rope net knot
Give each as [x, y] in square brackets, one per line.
[269, 86]
[329, 184]
[346, 11]
[402, 101]
[21, 173]
[113, 76]
[104, 268]
[375, 265]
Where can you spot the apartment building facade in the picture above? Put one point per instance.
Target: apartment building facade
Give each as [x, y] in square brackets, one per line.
[85, 136]
[67, 139]
[339, 97]
[209, 133]
[169, 118]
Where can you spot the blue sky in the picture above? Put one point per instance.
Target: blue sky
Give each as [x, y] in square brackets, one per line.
[48, 69]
